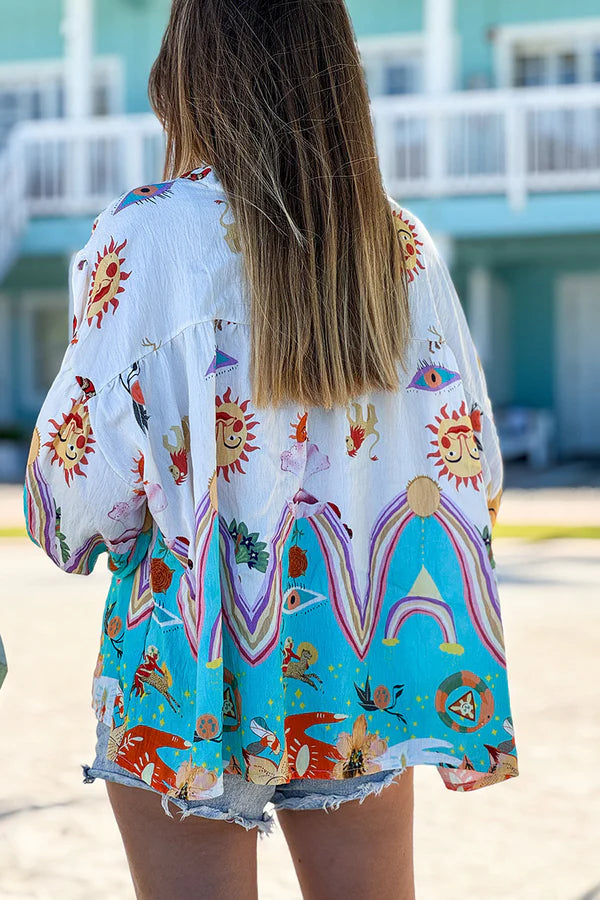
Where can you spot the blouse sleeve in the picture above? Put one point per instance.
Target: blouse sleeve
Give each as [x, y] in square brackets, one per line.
[78, 502]
[455, 331]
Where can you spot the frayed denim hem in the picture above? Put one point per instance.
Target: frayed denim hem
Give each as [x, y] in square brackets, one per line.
[333, 801]
[265, 825]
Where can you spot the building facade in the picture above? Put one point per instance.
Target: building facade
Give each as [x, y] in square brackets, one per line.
[487, 119]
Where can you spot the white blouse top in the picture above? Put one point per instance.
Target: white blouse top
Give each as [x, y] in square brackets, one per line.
[250, 547]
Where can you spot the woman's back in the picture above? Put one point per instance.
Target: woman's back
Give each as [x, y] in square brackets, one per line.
[297, 592]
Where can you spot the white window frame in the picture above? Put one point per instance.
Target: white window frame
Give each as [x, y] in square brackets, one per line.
[107, 70]
[29, 302]
[579, 36]
[377, 49]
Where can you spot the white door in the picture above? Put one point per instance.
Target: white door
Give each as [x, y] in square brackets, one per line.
[577, 371]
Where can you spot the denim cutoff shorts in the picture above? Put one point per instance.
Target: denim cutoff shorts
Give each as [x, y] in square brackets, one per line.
[247, 804]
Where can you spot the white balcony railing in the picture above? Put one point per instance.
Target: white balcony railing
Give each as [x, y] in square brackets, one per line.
[507, 142]
[511, 142]
[74, 167]
[67, 167]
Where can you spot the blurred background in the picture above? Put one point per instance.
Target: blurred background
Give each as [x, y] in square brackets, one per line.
[487, 119]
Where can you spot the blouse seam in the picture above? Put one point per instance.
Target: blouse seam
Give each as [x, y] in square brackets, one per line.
[132, 487]
[169, 340]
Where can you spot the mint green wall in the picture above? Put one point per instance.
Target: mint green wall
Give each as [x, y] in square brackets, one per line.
[474, 19]
[531, 270]
[30, 30]
[132, 29]
[385, 16]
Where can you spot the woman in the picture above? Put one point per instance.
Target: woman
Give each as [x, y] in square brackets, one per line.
[272, 416]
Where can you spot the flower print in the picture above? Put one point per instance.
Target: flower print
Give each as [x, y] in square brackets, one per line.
[297, 561]
[157, 499]
[304, 459]
[303, 505]
[160, 576]
[260, 770]
[192, 780]
[123, 509]
[359, 751]
[248, 549]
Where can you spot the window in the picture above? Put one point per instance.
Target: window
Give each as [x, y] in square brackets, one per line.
[49, 340]
[399, 78]
[567, 68]
[556, 52]
[393, 64]
[43, 337]
[529, 70]
[36, 91]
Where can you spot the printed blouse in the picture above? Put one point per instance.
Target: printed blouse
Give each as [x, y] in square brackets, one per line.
[295, 593]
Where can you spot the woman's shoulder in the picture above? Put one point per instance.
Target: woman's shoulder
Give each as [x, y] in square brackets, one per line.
[412, 230]
[149, 211]
[148, 269]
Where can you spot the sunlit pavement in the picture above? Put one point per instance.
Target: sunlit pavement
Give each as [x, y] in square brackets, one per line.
[533, 837]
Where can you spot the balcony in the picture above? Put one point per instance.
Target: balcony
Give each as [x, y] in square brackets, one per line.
[512, 142]
[70, 167]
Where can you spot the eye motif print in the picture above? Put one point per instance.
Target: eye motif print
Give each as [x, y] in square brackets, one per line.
[106, 282]
[432, 377]
[145, 193]
[457, 448]
[71, 441]
[407, 236]
[233, 432]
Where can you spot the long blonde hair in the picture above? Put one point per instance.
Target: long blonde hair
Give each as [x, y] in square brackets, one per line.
[272, 94]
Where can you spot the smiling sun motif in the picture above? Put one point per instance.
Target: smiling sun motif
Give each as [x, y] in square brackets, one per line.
[106, 282]
[407, 236]
[71, 440]
[456, 447]
[233, 433]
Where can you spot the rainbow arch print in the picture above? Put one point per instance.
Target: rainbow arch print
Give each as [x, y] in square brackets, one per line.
[43, 522]
[439, 610]
[191, 601]
[215, 647]
[255, 623]
[357, 613]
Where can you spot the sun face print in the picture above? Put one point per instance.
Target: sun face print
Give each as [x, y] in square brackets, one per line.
[106, 282]
[407, 236]
[456, 447]
[233, 433]
[71, 441]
